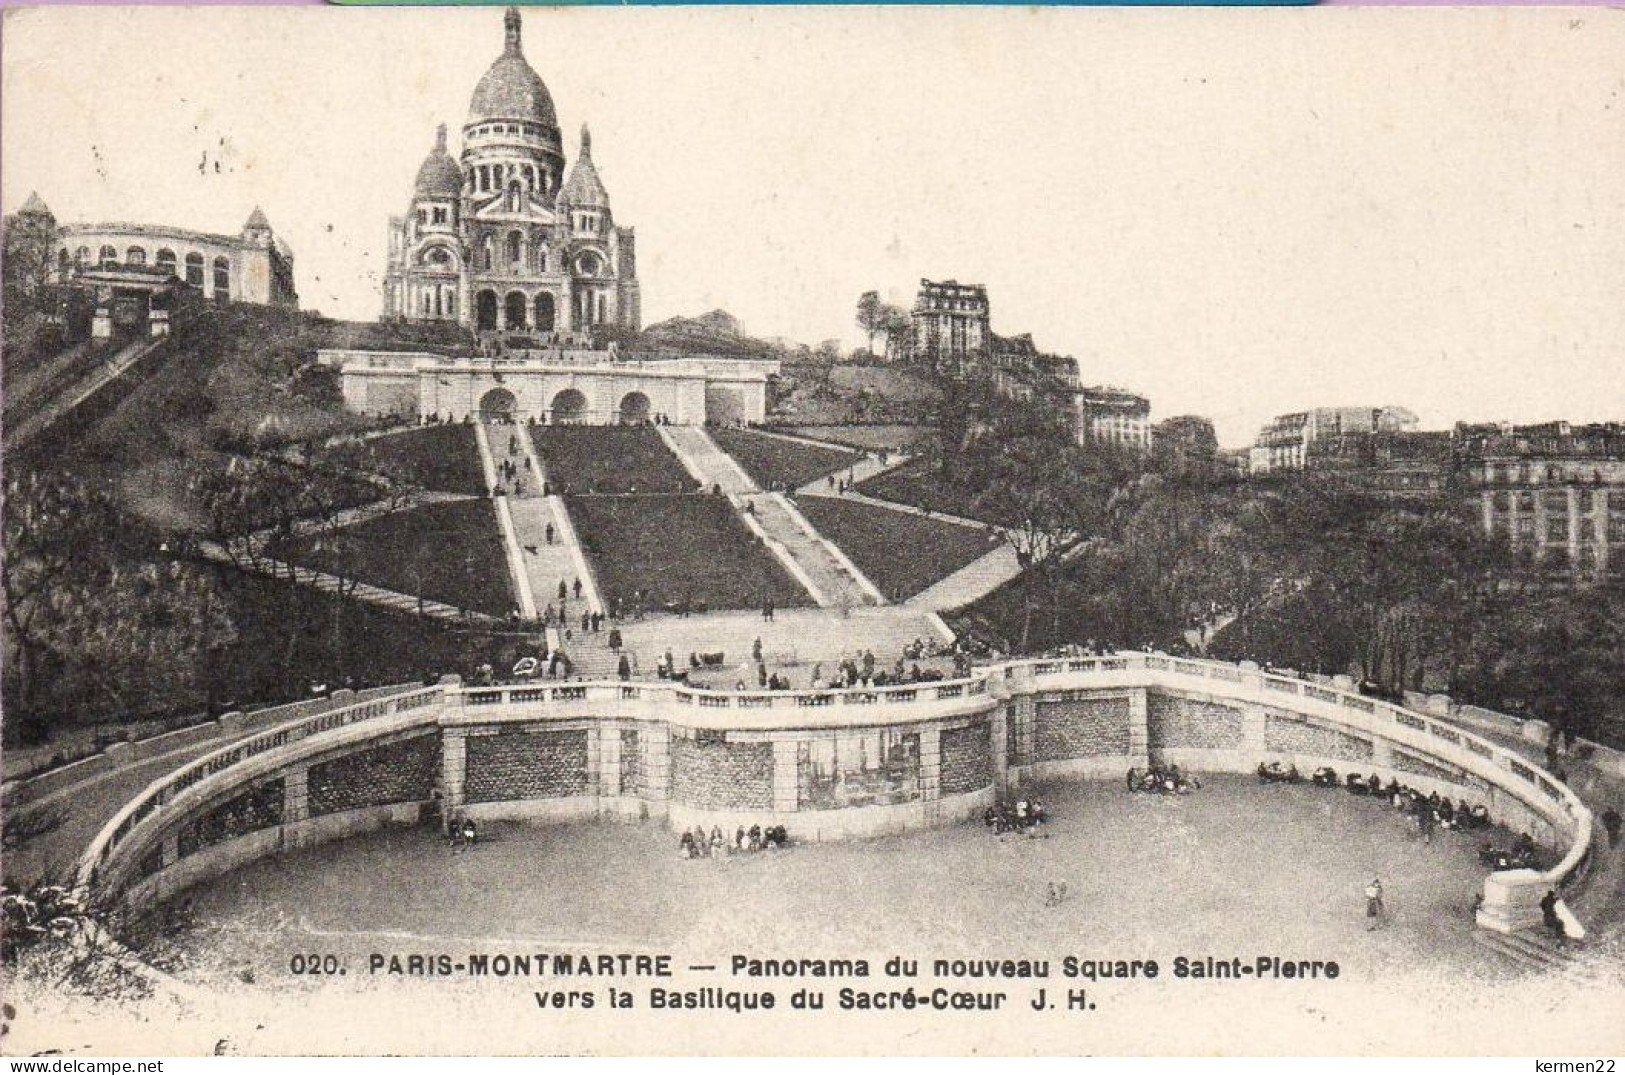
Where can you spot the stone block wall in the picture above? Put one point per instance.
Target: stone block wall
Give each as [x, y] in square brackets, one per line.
[631, 768]
[713, 774]
[1189, 723]
[965, 758]
[255, 808]
[1074, 725]
[1285, 733]
[393, 773]
[526, 764]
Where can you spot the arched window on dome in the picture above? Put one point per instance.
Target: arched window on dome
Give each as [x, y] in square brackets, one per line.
[222, 278]
[166, 260]
[108, 257]
[81, 257]
[194, 270]
[516, 250]
[136, 255]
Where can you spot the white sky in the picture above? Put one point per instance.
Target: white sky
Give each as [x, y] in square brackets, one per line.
[1236, 213]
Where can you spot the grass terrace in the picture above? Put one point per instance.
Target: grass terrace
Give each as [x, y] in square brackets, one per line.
[902, 553]
[441, 458]
[869, 438]
[449, 552]
[776, 463]
[606, 460]
[677, 548]
[915, 483]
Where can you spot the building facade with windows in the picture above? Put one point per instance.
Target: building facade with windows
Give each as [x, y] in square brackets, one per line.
[252, 266]
[1284, 442]
[1555, 491]
[499, 238]
[1112, 416]
[950, 323]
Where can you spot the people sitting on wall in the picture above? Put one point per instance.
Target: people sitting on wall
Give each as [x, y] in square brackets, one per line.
[1324, 777]
[1356, 784]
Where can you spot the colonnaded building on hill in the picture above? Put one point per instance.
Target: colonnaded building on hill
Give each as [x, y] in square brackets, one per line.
[498, 239]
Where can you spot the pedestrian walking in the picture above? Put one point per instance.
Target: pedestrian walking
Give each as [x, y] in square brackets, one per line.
[1375, 913]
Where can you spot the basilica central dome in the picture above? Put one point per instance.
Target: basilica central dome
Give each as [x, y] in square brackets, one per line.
[511, 88]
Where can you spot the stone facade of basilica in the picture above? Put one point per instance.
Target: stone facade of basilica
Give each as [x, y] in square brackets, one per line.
[499, 238]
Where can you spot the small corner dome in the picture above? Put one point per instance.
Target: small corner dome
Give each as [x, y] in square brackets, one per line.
[511, 88]
[257, 221]
[584, 189]
[438, 175]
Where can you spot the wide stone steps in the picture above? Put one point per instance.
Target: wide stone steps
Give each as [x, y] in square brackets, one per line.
[709, 464]
[833, 583]
[1533, 949]
[971, 582]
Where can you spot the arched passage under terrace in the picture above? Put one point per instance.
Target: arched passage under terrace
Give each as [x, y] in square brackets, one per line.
[569, 406]
[498, 404]
[634, 409]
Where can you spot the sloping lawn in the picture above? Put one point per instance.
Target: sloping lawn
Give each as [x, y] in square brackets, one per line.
[449, 552]
[776, 463]
[902, 553]
[613, 460]
[442, 458]
[866, 437]
[916, 484]
[679, 548]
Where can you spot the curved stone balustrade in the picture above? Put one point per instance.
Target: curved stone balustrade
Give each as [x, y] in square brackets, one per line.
[825, 764]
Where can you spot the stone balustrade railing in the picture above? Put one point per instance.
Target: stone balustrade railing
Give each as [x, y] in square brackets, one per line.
[455, 705]
[115, 833]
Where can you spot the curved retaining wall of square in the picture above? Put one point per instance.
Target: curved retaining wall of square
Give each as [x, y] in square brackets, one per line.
[825, 764]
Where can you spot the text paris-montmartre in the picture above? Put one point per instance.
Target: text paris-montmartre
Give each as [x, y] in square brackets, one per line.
[504, 965]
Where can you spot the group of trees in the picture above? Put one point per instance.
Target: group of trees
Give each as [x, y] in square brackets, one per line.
[881, 319]
[96, 619]
[1299, 570]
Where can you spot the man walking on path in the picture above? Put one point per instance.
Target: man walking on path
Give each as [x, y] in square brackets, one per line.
[1374, 911]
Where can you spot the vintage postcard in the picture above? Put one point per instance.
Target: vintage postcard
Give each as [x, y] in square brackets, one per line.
[836, 531]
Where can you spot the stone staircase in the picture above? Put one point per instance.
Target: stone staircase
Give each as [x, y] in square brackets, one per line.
[709, 464]
[831, 579]
[828, 575]
[976, 579]
[1533, 949]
